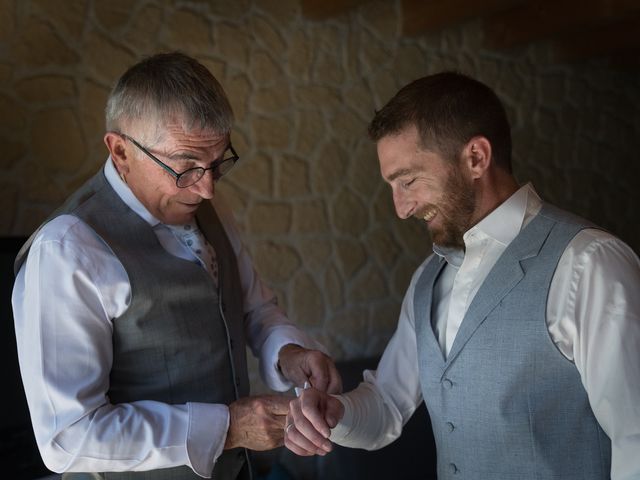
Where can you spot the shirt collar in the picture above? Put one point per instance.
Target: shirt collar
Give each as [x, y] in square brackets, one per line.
[125, 193]
[502, 225]
[506, 221]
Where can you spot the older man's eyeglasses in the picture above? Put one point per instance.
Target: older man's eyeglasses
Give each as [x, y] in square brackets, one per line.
[193, 175]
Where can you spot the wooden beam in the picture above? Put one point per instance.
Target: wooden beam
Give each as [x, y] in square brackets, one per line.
[420, 16]
[323, 9]
[619, 42]
[545, 19]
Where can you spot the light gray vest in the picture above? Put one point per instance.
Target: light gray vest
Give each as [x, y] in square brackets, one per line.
[506, 404]
[180, 340]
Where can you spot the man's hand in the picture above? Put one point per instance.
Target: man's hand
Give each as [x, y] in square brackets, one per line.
[309, 422]
[257, 423]
[300, 365]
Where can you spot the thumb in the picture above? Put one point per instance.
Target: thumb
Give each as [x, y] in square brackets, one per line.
[334, 412]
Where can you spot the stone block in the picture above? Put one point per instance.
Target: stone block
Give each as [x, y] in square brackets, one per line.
[328, 69]
[112, 15]
[93, 99]
[267, 34]
[334, 287]
[349, 214]
[271, 100]
[282, 11]
[143, 32]
[383, 247]
[317, 96]
[328, 170]
[233, 44]
[299, 56]
[253, 174]
[56, 140]
[293, 178]
[13, 117]
[12, 152]
[37, 45]
[46, 88]
[71, 17]
[7, 19]
[98, 46]
[277, 263]
[315, 252]
[270, 218]
[364, 171]
[272, 131]
[189, 32]
[310, 217]
[351, 256]
[238, 90]
[307, 301]
[369, 285]
[384, 19]
[350, 326]
[40, 187]
[311, 130]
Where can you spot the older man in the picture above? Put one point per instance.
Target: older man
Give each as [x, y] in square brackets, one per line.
[135, 300]
[521, 332]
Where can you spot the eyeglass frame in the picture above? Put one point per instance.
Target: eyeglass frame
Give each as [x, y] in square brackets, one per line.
[234, 158]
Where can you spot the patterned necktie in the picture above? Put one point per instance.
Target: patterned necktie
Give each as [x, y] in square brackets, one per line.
[191, 236]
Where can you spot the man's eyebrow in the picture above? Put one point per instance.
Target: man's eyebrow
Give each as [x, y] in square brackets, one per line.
[183, 156]
[401, 172]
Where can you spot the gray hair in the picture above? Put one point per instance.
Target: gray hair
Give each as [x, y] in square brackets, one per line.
[167, 85]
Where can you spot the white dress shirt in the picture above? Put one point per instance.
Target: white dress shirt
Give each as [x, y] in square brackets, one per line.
[593, 317]
[65, 298]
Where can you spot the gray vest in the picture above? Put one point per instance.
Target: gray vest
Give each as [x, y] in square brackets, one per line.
[506, 404]
[180, 340]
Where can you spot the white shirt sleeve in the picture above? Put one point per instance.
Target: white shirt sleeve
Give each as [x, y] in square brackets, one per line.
[594, 318]
[267, 327]
[64, 339]
[382, 404]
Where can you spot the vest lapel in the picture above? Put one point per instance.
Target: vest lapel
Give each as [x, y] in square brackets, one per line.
[422, 299]
[505, 275]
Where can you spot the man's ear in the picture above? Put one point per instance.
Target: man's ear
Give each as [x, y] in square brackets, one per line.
[116, 145]
[476, 156]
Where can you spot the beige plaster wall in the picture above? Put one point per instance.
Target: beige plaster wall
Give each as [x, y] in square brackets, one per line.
[318, 219]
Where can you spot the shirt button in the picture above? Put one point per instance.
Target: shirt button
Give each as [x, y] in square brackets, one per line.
[453, 469]
[448, 384]
[450, 426]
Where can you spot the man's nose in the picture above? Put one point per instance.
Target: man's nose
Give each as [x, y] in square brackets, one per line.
[206, 186]
[403, 205]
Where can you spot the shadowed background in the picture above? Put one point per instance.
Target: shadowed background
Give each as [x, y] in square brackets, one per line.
[304, 78]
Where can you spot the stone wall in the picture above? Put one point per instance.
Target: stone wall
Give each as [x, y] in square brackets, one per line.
[307, 192]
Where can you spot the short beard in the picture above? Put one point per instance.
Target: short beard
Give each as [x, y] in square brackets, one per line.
[457, 207]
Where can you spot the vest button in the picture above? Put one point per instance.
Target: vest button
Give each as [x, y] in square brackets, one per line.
[450, 426]
[453, 469]
[448, 384]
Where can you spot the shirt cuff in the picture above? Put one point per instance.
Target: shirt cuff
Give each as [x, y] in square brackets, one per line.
[280, 337]
[208, 426]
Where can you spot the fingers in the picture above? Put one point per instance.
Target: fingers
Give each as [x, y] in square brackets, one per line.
[323, 373]
[305, 434]
[298, 443]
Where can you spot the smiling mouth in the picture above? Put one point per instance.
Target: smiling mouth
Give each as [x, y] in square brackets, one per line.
[429, 214]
